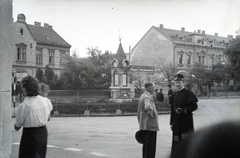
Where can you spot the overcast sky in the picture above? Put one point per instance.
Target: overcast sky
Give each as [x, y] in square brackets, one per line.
[90, 23]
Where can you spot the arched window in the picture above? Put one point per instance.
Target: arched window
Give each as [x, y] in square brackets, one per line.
[201, 57]
[124, 78]
[180, 57]
[116, 80]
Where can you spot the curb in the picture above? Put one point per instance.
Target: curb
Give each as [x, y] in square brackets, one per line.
[103, 115]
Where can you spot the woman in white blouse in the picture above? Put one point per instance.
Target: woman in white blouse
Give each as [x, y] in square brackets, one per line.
[33, 114]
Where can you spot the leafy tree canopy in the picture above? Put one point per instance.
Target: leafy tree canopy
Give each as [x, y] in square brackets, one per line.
[93, 72]
[39, 75]
[233, 54]
[49, 74]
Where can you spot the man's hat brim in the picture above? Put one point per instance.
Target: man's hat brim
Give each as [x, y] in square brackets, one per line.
[140, 136]
[179, 77]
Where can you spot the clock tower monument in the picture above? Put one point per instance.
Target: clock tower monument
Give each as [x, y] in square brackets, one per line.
[120, 77]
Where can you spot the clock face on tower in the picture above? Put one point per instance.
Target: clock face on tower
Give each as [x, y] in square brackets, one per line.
[115, 63]
[125, 63]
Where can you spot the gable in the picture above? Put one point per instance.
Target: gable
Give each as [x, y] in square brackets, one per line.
[152, 45]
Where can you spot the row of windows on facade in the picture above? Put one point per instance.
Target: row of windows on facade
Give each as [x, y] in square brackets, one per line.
[201, 59]
[21, 55]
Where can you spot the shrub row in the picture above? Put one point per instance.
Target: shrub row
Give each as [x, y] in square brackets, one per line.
[103, 108]
[79, 93]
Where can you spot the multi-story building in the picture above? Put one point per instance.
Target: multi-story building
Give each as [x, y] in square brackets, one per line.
[36, 46]
[179, 48]
[182, 48]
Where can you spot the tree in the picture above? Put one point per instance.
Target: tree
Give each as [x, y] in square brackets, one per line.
[93, 72]
[166, 68]
[49, 75]
[233, 54]
[39, 75]
[103, 65]
[208, 76]
[138, 79]
[73, 75]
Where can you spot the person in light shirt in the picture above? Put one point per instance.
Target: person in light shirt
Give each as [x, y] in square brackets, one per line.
[147, 116]
[33, 114]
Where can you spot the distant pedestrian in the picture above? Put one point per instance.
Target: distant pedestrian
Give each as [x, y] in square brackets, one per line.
[155, 95]
[160, 96]
[170, 94]
[148, 121]
[181, 119]
[32, 115]
[43, 91]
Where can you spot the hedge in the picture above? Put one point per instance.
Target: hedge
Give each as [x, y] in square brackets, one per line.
[79, 93]
[103, 108]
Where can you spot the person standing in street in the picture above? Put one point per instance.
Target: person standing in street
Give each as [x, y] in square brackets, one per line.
[44, 91]
[181, 119]
[148, 121]
[160, 96]
[32, 114]
[170, 95]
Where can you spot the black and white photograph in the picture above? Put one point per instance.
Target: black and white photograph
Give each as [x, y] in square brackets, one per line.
[119, 79]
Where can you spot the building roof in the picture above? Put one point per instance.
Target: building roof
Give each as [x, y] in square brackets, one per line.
[201, 38]
[120, 55]
[46, 35]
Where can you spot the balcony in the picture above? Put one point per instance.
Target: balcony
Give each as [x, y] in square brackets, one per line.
[21, 61]
[39, 63]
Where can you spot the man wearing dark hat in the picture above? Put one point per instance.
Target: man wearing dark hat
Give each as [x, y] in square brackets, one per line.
[160, 96]
[181, 119]
[148, 122]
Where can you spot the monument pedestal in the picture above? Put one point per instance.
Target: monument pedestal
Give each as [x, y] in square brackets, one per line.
[120, 94]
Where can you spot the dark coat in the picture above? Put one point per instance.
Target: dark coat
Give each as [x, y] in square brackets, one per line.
[160, 96]
[183, 123]
[170, 96]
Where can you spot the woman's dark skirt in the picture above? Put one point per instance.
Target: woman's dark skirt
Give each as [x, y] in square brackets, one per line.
[33, 143]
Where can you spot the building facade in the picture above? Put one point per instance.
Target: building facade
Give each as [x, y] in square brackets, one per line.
[180, 48]
[36, 46]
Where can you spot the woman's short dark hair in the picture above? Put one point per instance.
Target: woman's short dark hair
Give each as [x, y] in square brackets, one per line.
[31, 86]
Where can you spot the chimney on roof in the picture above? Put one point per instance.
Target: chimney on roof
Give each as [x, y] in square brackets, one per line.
[198, 31]
[216, 34]
[50, 26]
[46, 25]
[203, 32]
[182, 29]
[161, 25]
[37, 23]
[230, 36]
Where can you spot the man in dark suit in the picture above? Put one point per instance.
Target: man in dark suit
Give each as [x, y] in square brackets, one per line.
[181, 119]
[170, 94]
[160, 96]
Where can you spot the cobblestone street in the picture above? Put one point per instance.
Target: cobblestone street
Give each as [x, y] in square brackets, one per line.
[113, 137]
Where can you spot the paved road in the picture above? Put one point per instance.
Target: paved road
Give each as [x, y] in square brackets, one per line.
[113, 137]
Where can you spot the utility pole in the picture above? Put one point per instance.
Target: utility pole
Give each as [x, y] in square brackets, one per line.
[14, 92]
